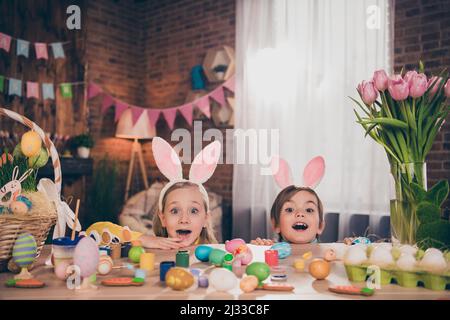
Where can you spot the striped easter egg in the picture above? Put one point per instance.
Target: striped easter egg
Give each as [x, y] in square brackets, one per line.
[24, 250]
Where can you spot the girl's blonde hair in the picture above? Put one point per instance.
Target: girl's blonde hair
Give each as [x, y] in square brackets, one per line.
[207, 233]
[285, 195]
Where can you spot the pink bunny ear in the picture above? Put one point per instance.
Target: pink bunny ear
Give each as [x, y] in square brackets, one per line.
[205, 163]
[313, 172]
[281, 172]
[167, 159]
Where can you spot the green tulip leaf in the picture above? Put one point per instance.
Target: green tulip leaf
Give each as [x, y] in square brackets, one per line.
[434, 235]
[438, 193]
[428, 212]
[387, 122]
[419, 192]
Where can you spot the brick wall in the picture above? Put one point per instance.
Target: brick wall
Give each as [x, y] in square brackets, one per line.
[422, 32]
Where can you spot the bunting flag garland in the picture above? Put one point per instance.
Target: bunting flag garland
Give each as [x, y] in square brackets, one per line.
[94, 90]
[203, 105]
[107, 102]
[23, 47]
[32, 90]
[170, 114]
[186, 112]
[218, 95]
[2, 83]
[153, 116]
[48, 91]
[15, 87]
[66, 90]
[120, 108]
[136, 113]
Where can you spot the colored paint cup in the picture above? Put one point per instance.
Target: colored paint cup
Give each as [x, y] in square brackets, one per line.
[271, 257]
[116, 251]
[182, 259]
[147, 261]
[164, 267]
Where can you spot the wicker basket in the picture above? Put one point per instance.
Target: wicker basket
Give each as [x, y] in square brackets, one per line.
[11, 226]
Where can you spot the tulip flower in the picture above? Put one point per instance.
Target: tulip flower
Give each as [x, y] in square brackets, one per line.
[447, 88]
[417, 85]
[398, 88]
[380, 79]
[368, 92]
[409, 75]
[435, 87]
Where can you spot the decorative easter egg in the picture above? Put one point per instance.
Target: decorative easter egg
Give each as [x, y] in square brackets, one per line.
[408, 249]
[61, 270]
[31, 143]
[355, 255]
[244, 254]
[105, 264]
[299, 264]
[249, 284]
[39, 160]
[433, 261]
[86, 256]
[381, 257]
[17, 153]
[222, 279]
[330, 255]
[202, 253]
[284, 249]
[362, 240]
[260, 270]
[216, 257]
[179, 278]
[135, 253]
[406, 262]
[24, 250]
[319, 269]
[232, 245]
[18, 207]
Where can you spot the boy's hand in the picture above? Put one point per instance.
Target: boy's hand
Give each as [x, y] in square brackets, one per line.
[262, 242]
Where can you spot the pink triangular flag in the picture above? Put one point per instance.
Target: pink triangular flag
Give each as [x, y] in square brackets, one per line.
[230, 84]
[186, 111]
[218, 95]
[170, 115]
[94, 90]
[107, 102]
[41, 50]
[120, 108]
[136, 113]
[32, 90]
[153, 116]
[5, 42]
[203, 106]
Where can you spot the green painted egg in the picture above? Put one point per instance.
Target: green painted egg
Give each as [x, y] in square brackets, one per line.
[24, 250]
[260, 270]
[39, 160]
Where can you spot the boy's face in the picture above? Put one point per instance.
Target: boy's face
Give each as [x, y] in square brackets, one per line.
[184, 214]
[299, 218]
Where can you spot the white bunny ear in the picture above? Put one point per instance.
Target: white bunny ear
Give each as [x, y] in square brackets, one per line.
[167, 159]
[205, 163]
[15, 173]
[25, 175]
[281, 172]
[314, 172]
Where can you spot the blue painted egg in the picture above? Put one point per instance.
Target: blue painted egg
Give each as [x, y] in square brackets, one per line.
[284, 249]
[362, 240]
[24, 250]
[202, 253]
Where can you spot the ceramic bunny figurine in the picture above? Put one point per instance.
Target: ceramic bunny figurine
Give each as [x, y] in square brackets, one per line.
[14, 187]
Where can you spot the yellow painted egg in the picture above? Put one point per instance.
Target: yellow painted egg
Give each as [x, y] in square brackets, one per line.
[179, 278]
[299, 264]
[105, 264]
[31, 143]
[249, 284]
[319, 269]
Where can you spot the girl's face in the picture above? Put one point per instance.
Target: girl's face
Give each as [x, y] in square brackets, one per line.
[184, 214]
[299, 218]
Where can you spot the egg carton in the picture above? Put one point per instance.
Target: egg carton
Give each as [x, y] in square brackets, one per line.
[407, 279]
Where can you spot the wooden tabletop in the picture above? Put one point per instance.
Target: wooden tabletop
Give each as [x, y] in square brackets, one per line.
[306, 287]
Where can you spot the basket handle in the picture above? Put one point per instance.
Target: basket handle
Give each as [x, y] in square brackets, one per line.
[47, 142]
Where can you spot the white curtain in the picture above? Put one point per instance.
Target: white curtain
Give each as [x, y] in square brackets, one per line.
[297, 63]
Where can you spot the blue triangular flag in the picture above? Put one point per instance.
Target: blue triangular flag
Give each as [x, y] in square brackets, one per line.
[23, 47]
[15, 87]
[58, 51]
[48, 92]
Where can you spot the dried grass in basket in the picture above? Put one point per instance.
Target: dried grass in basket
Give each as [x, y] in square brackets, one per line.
[43, 215]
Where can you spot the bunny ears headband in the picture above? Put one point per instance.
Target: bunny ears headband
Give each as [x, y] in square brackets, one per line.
[169, 164]
[312, 173]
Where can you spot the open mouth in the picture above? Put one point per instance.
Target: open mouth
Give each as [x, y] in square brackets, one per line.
[183, 233]
[300, 226]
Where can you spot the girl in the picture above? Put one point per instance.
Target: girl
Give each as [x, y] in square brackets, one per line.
[183, 217]
[297, 212]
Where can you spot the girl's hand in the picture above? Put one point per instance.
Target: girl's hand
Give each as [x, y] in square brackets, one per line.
[153, 242]
[262, 242]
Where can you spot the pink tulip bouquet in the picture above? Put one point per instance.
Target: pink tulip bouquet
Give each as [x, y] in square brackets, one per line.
[404, 113]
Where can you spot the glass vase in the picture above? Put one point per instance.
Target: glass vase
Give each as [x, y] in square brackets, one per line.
[403, 204]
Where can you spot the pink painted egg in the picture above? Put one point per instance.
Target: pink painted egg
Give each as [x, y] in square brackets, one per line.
[86, 256]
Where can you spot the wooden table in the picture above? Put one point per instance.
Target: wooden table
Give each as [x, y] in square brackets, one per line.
[305, 286]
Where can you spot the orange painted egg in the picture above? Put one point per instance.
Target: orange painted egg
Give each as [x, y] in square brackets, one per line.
[179, 278]
[249, 284]
[319, 269]
[31, 143]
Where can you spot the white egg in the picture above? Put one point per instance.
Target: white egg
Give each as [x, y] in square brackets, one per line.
[408, 249]
[381, 256]
[433, 261]
[406, 262]
[222, 279]
[355, 255]
[384, 245]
